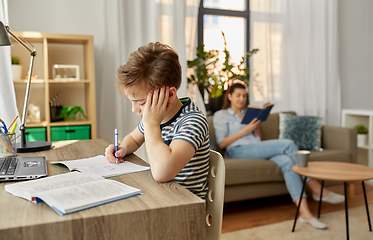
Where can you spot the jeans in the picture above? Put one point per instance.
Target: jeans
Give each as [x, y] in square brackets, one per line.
[278, 151]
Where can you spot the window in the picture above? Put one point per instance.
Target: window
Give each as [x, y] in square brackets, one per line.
[230, 17]
[238, 19]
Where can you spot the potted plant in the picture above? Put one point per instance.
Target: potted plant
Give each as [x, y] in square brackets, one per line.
[16, 68]
[72, 111]
[362, 132]
[209, 73]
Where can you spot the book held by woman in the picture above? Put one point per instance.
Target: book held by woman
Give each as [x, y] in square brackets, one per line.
[261, 113]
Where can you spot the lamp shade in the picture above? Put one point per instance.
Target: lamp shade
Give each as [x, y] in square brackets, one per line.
[4, 37]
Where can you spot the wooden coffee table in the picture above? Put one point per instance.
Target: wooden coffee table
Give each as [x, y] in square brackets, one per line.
[335, 171]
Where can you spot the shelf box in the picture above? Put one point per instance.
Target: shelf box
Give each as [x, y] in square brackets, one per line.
[36, 134]
[82, 132]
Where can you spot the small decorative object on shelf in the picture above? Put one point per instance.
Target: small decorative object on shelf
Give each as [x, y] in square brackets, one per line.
[33, 76]
[33, 114]
[71, 112]
[55, 108]
[362, 132]
[66, 72]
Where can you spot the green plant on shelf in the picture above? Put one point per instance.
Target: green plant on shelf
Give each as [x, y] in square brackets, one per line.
[361, 129]
[16, 60]
[72, 111]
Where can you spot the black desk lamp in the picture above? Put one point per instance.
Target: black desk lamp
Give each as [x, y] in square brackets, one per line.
[25, 146]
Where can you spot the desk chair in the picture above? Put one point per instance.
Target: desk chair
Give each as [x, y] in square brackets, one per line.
[215, 196]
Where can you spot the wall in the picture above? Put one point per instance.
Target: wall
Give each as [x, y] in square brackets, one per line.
[86, 17]
[356, 51]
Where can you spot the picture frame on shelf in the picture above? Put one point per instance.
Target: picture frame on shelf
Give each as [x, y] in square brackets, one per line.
[66, 72]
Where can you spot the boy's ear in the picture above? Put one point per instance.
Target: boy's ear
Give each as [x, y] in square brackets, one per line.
[172, 94]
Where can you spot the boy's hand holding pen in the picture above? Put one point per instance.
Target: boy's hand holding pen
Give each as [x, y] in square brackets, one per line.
[113, 150]
[116, 144]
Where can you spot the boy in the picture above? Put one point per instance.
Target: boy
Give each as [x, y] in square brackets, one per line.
[175, 132]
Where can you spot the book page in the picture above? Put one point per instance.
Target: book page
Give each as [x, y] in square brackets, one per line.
[29, 188]
[86, 195]
[267, 104]
[256, 107]
[99, 165]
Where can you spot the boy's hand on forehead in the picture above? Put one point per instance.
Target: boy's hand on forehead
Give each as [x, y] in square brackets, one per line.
[156, 106]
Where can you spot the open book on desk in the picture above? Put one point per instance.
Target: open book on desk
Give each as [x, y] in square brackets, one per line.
[73, 191]
[99, 165]
[261, 113]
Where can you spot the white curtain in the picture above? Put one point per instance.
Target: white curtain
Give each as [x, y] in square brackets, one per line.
[300, 71]
[8, 105]
[129, 25]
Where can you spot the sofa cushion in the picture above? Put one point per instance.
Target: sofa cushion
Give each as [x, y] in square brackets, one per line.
[333, 155]
[241, 171]
[305, 131]
[244, 171]
[234, 193]
[269, 128]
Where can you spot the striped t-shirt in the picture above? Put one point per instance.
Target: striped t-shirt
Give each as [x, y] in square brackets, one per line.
[190, 125]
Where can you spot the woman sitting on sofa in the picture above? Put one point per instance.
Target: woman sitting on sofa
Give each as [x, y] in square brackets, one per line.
[244, 141]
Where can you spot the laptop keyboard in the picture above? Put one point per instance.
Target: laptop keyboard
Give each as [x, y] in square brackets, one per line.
[8, 165]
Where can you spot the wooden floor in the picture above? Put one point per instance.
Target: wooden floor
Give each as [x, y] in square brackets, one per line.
[258, 212]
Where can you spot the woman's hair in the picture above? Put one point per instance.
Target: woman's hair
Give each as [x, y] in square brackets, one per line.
[234, 86]
[155, 64]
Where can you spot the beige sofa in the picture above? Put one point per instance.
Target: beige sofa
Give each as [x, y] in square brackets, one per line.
[257, 178]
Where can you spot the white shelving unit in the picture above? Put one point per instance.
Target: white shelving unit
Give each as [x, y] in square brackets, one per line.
[353, 117]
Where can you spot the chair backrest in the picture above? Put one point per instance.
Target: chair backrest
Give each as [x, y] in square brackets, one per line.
[215, 196]
[213, 144]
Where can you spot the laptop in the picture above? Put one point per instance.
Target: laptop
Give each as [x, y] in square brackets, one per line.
[22, 168]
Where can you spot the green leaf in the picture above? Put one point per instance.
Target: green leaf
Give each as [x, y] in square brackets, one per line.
[71, 112]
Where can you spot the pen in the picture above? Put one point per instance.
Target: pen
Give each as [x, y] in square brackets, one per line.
[12, 122]
[4, 126]
[116, 143]
[13, 130]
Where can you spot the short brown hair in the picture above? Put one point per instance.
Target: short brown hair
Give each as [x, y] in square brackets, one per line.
[155, 64]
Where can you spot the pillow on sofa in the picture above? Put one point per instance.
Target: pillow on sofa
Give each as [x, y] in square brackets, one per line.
[305, 131]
